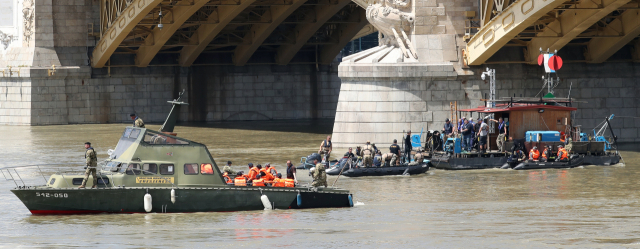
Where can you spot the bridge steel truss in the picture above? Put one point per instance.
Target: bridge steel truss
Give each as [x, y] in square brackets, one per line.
[237, 28]
[603, 26]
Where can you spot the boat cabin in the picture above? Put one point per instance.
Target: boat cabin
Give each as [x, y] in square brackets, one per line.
[146, 158]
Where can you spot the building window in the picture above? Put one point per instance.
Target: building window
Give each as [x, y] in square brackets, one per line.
[191, 169]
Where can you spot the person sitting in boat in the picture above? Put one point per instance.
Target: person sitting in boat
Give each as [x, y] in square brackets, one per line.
[546, 154]
[278, 181]
[563, 156]
[518, 155]
[534, 154]
[258, 182]
[377, 160]
[253, 171]
[341, 160]
[266, 175]
[240, 179]
[270, 169]
[350, 152]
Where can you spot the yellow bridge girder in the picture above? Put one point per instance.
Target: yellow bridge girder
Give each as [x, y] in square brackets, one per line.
[344, 35]
[569, 25]
[625, 26]
[119, 29]
[505, 26]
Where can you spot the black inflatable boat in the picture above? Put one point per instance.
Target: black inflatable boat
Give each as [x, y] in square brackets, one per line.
[351, 170]
[450, 162]
[574, 162]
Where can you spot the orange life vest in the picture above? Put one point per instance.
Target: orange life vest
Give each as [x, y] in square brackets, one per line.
[278, 182]
[544, 154]
[226, 177]
[268, 176]
[289, 183]
[258, 182]
[240, 181]
[534, 154]
[253, 172]
[564, 155]
[272, 170]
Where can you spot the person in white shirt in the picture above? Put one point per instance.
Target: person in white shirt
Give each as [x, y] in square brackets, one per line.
[484, 131]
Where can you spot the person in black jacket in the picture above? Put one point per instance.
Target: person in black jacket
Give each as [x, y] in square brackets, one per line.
[407, 146]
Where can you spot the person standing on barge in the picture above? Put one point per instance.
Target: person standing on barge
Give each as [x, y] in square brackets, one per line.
[448, 129]
[483, 133]
[466, 135]
[502, 133]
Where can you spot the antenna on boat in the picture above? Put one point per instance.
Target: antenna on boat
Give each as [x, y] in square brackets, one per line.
[171, 120]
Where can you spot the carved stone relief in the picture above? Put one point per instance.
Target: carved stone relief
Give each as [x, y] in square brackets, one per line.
[28, 14]
[394, 20]
[5, 39]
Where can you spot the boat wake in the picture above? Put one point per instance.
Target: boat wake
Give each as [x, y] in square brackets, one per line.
[358, 204]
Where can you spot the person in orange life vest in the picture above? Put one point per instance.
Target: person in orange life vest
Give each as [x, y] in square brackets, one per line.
[227, 178]
[270, 169]
[278, 181]
[253, 171]
[240, 179]
[534, 154]
[289, 183]
[258, 182]
[266, 175]
[562, 154]
[267, 182]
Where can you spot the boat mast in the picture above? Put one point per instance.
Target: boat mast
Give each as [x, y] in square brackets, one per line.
[171, 120]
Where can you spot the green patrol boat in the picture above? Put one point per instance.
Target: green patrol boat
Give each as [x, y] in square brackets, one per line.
[159, 172]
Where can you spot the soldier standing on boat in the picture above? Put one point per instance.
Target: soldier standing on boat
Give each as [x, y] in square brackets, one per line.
[326, 147]
[502, 133]
[395, 150]
[319, 175]
[137, 122]
[92, 163]
[408, 147]
[367, 154]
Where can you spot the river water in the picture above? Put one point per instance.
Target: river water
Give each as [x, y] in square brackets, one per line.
[583, 207]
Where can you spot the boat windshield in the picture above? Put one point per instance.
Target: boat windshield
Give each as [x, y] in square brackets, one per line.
[128, 138]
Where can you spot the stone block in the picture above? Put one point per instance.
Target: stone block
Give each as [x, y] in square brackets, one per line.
[400, 106]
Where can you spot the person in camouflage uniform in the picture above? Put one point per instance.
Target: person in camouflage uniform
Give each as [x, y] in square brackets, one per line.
[367, 154]
[227, 168]
[319, 175]
[137, 122]
[91, 165]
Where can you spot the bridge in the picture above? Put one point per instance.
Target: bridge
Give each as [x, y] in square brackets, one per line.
[226, 32]
[599, 28]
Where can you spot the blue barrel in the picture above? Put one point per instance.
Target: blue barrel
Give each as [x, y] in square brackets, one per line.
[350, 201]
[299, 197]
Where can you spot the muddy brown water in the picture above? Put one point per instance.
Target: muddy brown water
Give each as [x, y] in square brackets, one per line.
[585, 207]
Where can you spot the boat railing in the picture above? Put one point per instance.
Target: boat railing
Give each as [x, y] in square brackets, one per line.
[10, 173]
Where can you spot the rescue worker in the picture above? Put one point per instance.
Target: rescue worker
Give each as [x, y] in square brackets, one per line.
[483, 132]
[266, 173]
[534, 154]
[419, 158]
[227, 178]
[546, 154]
[448, 129]
[408, 147]
[502, 133]
[569, 145]
[240, 179]
[137, 122]
[227, 169]
[291, 171]
[91, 163]
[395, 150]
[377, 160]
[253, 172]
[386, 158]
[258, 182]
[270, 169]
[278, 181]
[351, 155]
[325, 148]
[563, 156]
[519, 155]
[289, 183]
[367, 154]
[319, 175]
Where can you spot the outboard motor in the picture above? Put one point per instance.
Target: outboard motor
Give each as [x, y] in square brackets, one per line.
[314, 156]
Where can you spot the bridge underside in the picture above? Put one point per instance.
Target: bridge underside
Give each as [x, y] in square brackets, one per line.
[591, 31]
[225, 32]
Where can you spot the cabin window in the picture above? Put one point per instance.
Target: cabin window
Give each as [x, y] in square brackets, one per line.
[159, 138]
[191, 169]
[77, 181]
[122, 167]
[53, 180]
[133, 169]
[135, 133]
[150, 169]
[206, 169]
[166, 169]
[103, 181]
[126, 133]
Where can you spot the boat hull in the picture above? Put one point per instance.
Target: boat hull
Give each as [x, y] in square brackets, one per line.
[130, 200]
[452, 163]
[385, 171]
[601, 160]
[550, 165]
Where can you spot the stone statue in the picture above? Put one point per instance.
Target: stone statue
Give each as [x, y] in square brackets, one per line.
[393, 19]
